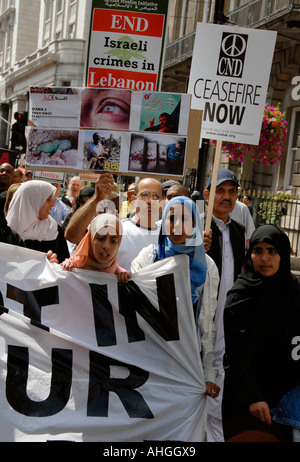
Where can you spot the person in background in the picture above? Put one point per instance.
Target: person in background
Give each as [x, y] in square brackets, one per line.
[7, 235]
[9, 195]
[177, 190]
[261, 323]
[247, 200]
[242, 215]
[127, 207]
[112, 200]
[6, 176]
[85, 194]
[74, 187]
[60, 210]
[29, 216]
[28, 176]
[196, 196]
[18, 176]
[228, 247]
[167, 184]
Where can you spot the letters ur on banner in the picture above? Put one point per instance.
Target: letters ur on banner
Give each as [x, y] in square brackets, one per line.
[85, 358]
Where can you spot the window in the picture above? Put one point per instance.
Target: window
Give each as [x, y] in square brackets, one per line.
[59, 6]
[48, 10]
[191, 17]
[48, 5]
[71, 33]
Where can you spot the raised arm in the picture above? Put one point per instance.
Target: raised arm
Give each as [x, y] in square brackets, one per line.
[79, 222]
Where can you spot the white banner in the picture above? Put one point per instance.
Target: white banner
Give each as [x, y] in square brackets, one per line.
[84, 358]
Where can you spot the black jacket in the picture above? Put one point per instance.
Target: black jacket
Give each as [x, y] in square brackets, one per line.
[238, 242]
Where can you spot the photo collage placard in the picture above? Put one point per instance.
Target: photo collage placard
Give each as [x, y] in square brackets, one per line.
[115, 130]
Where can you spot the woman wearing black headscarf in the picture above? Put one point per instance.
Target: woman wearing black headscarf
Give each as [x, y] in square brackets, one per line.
[261, 319]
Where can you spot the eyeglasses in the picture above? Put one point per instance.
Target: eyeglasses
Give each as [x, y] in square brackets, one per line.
[146, 195]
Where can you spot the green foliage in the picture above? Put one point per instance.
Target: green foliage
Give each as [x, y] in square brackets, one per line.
[271, 209]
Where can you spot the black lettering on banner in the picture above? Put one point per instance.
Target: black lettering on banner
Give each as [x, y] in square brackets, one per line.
[33, 301]
[101, 384]
[17, 377]
[165, 321]
[103, 316]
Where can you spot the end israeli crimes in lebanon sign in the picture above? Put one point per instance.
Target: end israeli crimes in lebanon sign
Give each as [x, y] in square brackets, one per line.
[84, 358]
[229, 80]
[126, 44]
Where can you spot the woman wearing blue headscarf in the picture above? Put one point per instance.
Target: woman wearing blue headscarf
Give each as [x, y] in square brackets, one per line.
[181, 233]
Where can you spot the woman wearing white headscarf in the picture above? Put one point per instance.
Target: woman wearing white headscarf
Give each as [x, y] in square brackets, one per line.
[29, 216]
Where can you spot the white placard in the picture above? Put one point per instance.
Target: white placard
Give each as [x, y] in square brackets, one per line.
[229, 80]
[84, 358]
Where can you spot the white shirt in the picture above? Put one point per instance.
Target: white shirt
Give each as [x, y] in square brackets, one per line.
[242, 215]
[134, 239]
[226, 282]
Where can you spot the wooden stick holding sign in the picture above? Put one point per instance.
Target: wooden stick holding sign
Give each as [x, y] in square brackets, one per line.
[213, 185]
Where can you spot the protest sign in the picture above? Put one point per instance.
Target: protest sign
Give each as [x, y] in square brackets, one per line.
[84, 358]
[229, 80]
[91, 129]
[126, 44]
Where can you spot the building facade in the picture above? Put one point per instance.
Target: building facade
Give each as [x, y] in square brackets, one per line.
[43, 42]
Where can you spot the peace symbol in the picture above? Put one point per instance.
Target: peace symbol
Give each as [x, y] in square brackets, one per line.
[233, 45]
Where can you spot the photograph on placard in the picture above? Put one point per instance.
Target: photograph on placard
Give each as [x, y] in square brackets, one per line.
[160, 154]
[105, 108]
[160, 112]
[101, 150]
[54, 107]
[58, 148]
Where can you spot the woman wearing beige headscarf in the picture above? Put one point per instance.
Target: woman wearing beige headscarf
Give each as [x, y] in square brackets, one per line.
[29, 216]
[98, 249]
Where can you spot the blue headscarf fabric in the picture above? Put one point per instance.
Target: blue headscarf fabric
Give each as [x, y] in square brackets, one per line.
[193, 246]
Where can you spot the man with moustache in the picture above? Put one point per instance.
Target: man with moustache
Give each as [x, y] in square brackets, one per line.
[228, 251]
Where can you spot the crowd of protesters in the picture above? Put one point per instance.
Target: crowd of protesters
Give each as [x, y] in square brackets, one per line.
[245, 299]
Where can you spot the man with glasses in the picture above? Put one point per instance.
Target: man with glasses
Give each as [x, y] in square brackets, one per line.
[142, 228]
